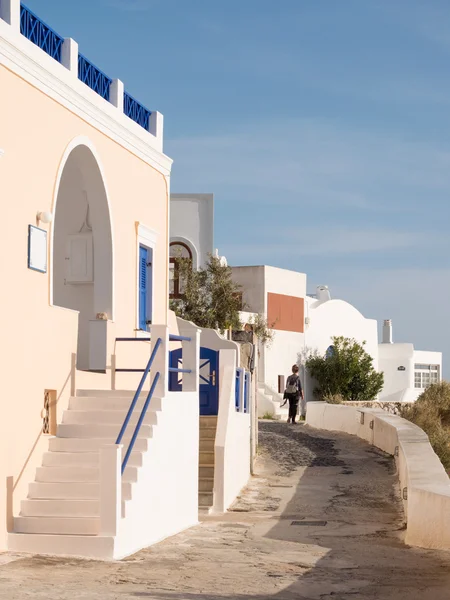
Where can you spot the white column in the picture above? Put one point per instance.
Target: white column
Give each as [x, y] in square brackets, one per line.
[69, 55]
[10, 12]
[161, 362]
[156, 125]
[110, 489]
[116, 94]
[191, 358]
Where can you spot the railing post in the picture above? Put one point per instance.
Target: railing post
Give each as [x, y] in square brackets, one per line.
[161, 362]
[156, 126]
[69, 55]
[10, 12]
[110, 489]
[116, 94]
[191, 358]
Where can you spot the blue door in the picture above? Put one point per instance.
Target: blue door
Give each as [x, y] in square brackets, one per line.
[145, 291]
[209, 379]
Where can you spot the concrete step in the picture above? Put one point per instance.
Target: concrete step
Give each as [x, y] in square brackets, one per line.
[57, 525]
[206, 458]
[87, 546]
[112, 403]
[105, 417]
[107, 393]
[108, 432]
[208, 421]
[59, 508]
[205, 498]
[207, 445]
[207, 433]
[206, 484]
[75, 474]
[206, 471]
[85, 445]
[83, 459]
[40, 490]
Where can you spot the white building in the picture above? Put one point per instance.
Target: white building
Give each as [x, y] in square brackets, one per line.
[407, 372]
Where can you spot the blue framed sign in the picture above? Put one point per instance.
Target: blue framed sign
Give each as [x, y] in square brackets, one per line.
[37, 249]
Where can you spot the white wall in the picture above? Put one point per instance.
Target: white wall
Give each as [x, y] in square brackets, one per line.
[251, 279]
[192, 222]
[424, 484]
[283, 281]
[165, 498]
[232, 444]
[336, 318]
[390, 358]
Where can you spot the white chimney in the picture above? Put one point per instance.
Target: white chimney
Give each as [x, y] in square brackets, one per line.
[387, 331]
[323, 293]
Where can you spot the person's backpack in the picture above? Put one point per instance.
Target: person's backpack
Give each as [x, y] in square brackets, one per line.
[291, 387]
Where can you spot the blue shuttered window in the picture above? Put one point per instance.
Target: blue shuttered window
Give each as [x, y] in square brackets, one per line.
[143, 287]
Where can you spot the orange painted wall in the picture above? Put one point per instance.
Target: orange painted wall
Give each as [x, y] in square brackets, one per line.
[286, 313]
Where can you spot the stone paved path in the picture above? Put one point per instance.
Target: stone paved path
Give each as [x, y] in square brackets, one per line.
[322, 520]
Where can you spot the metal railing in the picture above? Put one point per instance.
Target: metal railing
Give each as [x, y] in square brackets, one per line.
[91, 75]
[145, 372]
[136, 111]
[39, 33]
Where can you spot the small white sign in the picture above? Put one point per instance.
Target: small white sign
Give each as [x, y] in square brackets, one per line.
[37, 249]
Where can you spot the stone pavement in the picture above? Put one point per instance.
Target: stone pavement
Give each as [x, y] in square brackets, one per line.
[321, 520]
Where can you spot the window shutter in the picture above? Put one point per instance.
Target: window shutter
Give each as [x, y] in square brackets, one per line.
[143, 288]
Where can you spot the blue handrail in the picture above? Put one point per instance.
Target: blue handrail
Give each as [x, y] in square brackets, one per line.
[138, 391]
[179, 338]
[135, 339]
[175, 370]
[139, 423]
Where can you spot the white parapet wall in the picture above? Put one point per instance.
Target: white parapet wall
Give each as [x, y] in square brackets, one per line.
[424, 484]
[232, 445]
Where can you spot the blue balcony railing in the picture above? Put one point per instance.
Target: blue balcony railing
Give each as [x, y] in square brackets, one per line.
[40, 33]
[91, 75]
[136, 111]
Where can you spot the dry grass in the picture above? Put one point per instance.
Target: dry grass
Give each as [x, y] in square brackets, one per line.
[431, 412]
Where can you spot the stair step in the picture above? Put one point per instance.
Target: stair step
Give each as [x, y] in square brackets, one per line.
[205, 498]
[206, 458]
[105, 417]
[86, 445]
[107, 432]
[57, 525]
[206, 471]
[107, 393]
[207, 445]
[208, 421]
[206, 484]
[208, 433]
[83, 459]
[87, 546]
[40, 490]
[59, 508]
[112, 403]
[77, 474]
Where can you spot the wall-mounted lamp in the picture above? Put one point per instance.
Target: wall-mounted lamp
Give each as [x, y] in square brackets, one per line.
[45, 217]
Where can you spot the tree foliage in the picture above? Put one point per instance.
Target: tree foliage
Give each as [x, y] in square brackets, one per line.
[262, 329]
[210, 297]
[345, 371]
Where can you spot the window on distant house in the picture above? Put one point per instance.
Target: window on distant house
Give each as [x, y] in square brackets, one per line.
[177, 250]
[425, 375]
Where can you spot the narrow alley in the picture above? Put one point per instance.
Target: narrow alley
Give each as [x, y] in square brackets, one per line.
[321, 519]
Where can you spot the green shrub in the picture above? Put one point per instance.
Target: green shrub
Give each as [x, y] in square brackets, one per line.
[431, 412]
[268, 416]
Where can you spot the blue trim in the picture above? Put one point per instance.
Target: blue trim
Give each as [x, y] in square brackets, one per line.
[91, 75]
[39, 33]
[174, 370]
[136, 339]
[136, 111]
[237, 391]
[179, 338]
[30, 228]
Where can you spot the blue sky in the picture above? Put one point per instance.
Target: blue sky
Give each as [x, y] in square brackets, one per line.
[322, 128]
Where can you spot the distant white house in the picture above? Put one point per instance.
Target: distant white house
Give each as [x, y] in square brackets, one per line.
[407, 372]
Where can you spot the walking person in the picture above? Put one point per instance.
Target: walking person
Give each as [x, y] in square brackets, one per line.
[293, 394]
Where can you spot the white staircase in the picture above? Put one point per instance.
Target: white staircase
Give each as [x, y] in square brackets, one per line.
[61, 514]
[269, 403]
